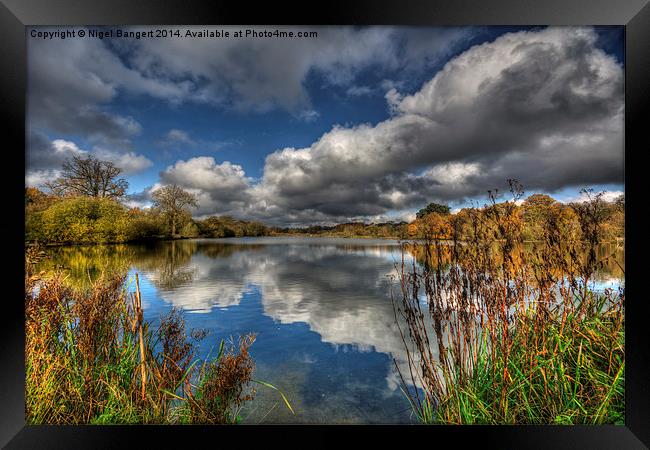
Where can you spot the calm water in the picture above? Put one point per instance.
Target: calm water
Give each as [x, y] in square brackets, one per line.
[321, 309]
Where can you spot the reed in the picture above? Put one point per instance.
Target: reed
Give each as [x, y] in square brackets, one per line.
[498, 334]
[92, 358]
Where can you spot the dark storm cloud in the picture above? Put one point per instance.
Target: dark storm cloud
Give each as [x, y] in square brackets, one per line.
[544, 107]
[43, 154]
[69, 84]
[264, 74]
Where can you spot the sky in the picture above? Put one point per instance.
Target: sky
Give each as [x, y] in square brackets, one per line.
[354, 124]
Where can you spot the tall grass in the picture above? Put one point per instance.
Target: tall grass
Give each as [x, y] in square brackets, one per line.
[92, 358]
[496, 334]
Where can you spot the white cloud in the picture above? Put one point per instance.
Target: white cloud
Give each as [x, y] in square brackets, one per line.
[38, 178]
[179, 136]
[607, 196]
[204, 173]
[544, 107]
[130, 162]
[359, 91]
[45, 157]
[309, 115]
[453, 172]
[66, 148]
[247, 74]
[219, 187]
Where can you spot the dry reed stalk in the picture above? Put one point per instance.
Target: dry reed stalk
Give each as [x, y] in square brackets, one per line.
[140, 319]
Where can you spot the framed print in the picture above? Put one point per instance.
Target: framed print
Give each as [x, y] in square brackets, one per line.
[408, 219]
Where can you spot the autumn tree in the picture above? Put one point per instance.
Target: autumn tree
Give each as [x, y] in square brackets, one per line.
[620, 202]
[37, 200]
[592, 214]
[616, 220]
[540, 200]
[435, 226]
[536, 210]
[90, 177]
[174, 203]
[85, 220]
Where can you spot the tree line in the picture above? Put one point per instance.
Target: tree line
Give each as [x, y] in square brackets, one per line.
[87, 204]
[537, 214]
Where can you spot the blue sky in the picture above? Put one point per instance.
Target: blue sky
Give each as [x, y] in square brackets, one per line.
[355, 124]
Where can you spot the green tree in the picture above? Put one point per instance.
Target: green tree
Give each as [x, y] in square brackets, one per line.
[433, 208]
[36, 202]
[174, 203]
[537, 210]
[189, 230]
[85, 220]
[145, 224]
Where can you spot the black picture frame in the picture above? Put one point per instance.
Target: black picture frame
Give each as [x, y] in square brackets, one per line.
[15, 15]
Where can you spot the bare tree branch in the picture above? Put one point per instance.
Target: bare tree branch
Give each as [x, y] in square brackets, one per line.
[90, 177]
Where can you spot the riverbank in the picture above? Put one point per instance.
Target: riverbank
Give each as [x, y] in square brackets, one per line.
[91, 358]
[506, 333]
[320, 307]
[51, 219]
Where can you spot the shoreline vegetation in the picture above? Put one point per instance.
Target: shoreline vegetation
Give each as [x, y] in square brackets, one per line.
[498, 335]
[91, 358]
[70, 220]
[87, 204]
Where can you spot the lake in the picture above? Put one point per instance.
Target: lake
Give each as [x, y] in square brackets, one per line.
[320, 307]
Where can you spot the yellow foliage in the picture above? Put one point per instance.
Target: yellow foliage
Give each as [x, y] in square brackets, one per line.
[85, 220]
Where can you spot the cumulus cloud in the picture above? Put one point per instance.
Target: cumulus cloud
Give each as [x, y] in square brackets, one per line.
[545, 107]
[45, 157]
[219, 187]
[38, 178]
[129, 162]
[67, 94]
[44, 154]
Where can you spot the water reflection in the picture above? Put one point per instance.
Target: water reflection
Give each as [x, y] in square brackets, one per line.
[321, 309]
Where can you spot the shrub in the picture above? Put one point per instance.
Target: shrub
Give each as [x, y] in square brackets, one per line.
[34, 226]
[189, 230]
[85, 220]
[145, 224]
